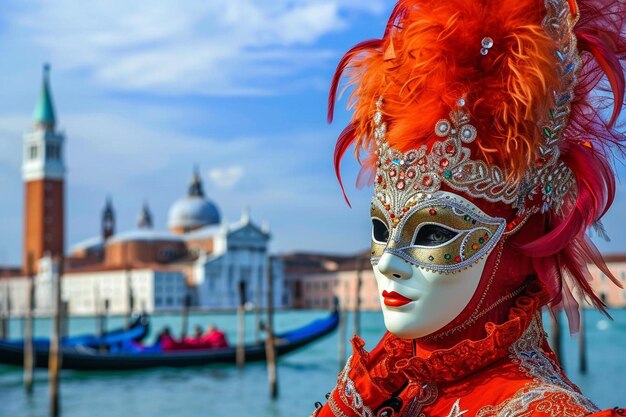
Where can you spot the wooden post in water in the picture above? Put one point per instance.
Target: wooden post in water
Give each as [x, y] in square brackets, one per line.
[185, 315]
[103, 320]
[270, 348]
[65, 318]
[357, 296]
[5, 314]
[241, 325]
[131, 298]
[342, 332]
[555, 336]
[98, 310]
[4, 319]
[55, 358]
[582, 342]
[258, 310]
[29, 354]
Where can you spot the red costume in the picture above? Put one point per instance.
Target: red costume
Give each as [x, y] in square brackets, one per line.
[482, 120]
[215, 339]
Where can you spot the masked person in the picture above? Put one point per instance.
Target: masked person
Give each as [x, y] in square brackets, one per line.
[483, 122]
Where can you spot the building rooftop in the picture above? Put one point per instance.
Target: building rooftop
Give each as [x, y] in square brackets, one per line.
[144, 235]
[311, 263]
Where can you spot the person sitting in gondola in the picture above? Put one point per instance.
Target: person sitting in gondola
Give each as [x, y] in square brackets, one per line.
[214, 338]
[167, 341]
[196, 338]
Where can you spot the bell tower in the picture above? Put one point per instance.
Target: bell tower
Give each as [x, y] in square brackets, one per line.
[108, 220]
[43, 172]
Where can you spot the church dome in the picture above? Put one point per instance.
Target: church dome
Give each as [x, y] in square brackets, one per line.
[193, 211]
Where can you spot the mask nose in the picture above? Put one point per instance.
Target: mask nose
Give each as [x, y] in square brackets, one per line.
[394, 267]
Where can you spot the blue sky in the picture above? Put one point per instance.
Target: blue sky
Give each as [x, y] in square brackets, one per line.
[145, 92]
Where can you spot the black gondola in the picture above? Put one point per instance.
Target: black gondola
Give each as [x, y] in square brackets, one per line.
[89, 359]
[137, 331]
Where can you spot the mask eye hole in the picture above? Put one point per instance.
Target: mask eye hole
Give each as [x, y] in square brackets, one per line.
[380, 231]
[433, 235]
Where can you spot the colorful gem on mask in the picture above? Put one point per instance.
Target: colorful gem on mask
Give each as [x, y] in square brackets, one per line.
[467, 218]
[427, 181]
[379, 179]
[457, 259]
[431, 258]
[410, 173]
[447, 256]
[432, 212]
[547, 133]
[475, 246]
[392, 173]
[447, 174]
[400, 185]
[481, 240]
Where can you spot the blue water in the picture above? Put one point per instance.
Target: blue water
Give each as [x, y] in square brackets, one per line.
[304, 377]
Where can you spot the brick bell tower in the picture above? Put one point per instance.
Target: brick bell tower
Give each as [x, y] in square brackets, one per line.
[43, 172]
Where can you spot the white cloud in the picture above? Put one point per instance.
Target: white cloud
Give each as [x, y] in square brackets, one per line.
[217, 47]
[226, 178]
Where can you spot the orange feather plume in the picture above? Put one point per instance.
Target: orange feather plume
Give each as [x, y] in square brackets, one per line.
[430, 57]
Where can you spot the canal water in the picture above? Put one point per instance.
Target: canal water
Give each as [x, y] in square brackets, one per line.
[304, 376]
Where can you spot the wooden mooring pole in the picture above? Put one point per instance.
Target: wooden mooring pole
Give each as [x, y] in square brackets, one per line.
[241, 325]
[55, 358]
[555, 335]
[29, 352]
[103, 320]
[342, 332]
[258, 310]
[65, 319]
[357, 296]
[582, 342]
[5, 314]
[131, 298]
[4, 319]
[270, 348]
[185, 316]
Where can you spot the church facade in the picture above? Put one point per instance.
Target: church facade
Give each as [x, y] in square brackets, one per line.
[200, 261]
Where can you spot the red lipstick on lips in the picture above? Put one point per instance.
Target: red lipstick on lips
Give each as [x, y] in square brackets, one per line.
[393, 299]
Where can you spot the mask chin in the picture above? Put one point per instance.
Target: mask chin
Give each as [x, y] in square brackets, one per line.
[417, 302]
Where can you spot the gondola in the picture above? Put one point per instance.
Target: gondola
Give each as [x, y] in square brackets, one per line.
[90, 359]
[137, 331]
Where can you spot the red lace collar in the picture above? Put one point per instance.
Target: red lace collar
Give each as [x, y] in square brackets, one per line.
[398, 361]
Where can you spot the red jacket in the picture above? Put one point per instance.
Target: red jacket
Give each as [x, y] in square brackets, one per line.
[510, 373]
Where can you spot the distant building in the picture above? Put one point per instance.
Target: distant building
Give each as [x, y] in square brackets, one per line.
[612, 295]
[200, 259]
[312, 281]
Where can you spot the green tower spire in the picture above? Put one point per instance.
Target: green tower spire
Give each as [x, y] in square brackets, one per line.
[44, 111]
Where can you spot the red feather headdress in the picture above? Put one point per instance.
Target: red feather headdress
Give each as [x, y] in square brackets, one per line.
[430, 56]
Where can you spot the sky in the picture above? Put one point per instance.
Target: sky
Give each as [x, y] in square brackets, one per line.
[238, 88]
